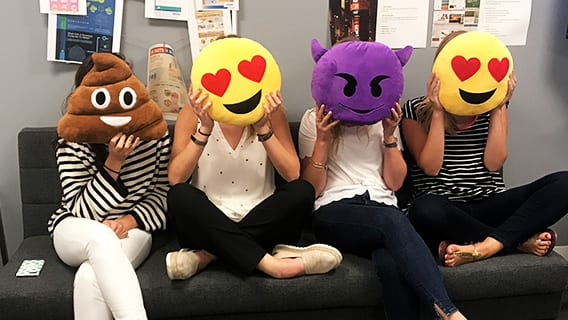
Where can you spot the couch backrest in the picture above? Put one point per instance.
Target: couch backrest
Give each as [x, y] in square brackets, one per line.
[39, 181]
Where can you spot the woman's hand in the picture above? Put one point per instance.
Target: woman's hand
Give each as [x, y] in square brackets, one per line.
[200, 106]
[433, 89]
[117, 227]
[324, 124]
[511, 85]
[390, 124]
[120, 146]
[274, 100]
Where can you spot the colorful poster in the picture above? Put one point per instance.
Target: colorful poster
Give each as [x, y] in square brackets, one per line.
[507, 20]
[165, 82]
[71, 38]
[207, 26]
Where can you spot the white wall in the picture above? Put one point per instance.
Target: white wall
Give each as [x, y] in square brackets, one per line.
[33, 89]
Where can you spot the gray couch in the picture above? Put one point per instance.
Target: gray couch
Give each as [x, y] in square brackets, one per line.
[516, 286]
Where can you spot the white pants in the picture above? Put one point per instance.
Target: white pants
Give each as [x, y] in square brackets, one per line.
[105, 285]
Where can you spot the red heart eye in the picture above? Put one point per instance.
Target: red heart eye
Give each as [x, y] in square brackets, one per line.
[498, 69]
[463, 68]
[217, 83]
[254, 69]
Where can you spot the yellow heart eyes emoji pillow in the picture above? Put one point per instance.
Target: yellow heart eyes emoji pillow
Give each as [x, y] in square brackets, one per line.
[237, 73]
[473, 69]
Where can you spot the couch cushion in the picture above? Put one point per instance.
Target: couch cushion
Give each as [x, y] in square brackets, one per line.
[220, 289]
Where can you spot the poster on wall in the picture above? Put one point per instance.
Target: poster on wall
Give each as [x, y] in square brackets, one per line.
[507, 20]
[71, 38]
[392, 22]
[165, 82]
[206, 26]
[166, 9]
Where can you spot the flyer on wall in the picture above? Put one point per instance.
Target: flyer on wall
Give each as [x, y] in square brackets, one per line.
[76, 7]
[207, 26]
[71, 38]
[165, 82]
[166, 9]
[217, 5]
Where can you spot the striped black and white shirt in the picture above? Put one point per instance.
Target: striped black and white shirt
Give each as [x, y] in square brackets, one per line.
[463, 176]
[91, 193]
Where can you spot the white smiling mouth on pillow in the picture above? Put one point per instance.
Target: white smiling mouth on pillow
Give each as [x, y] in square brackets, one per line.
[116, 121]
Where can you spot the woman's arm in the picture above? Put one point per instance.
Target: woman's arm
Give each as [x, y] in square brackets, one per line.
[185, 152]
[280, 147]
[427, 148]
[314, 167]
[496, 148]
[394, 166]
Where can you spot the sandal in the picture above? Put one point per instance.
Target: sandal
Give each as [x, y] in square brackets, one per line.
[467, 256]
[442, 247]
[552, 240]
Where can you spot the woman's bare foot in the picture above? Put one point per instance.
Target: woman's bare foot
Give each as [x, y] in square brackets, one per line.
[460, 254]
[539, 244]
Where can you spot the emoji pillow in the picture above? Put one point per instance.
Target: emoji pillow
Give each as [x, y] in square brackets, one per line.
[358, 81]
[237, 73]
[110, 100]
[473, 69]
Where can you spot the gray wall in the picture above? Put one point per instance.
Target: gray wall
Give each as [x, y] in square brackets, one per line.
[33, 89]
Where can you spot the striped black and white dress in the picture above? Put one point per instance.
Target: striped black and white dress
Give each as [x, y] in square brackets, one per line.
[90, 193]
[463, 176]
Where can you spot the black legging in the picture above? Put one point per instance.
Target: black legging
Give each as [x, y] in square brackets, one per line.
[278, 219]
[511, 216]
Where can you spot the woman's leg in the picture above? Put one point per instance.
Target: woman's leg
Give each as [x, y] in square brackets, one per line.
[279, 218]
[360, 224]
[106, 279]
[438, 219]
[201, 225]
[517, 214]
[521, 212]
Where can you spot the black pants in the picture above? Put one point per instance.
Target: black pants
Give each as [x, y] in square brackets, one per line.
[277, 219]
[511, 216]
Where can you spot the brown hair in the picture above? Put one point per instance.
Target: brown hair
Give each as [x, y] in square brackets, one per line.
[424, 108]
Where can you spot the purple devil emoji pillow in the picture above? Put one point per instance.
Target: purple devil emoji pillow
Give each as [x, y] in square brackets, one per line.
[359, 81]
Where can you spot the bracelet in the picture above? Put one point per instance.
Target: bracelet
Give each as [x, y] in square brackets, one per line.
[198, 142]
[111, 170]
[264, 137]
[318, 165]
[393, 144]
[202, 133]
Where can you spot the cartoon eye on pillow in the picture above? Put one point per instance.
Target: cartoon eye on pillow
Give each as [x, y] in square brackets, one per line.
[237, 73]
[473, 69]
[359, 81]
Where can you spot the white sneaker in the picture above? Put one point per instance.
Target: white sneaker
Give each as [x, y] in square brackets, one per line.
[181, 264]
[318, 258]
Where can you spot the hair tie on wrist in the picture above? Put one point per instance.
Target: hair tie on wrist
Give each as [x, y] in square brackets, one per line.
[203, 133]
[111, 170]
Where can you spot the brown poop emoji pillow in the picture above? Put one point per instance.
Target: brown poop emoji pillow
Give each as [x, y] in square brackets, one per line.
[110, 100]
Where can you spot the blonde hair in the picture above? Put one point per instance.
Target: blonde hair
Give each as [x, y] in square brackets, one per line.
[424, 107]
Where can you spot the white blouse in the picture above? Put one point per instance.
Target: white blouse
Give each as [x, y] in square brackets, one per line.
[357, 166]
[235, 180]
